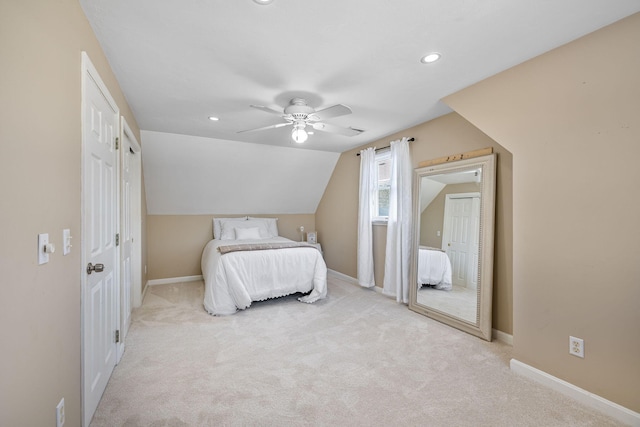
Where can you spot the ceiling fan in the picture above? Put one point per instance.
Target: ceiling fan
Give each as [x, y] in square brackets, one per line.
[300, 115]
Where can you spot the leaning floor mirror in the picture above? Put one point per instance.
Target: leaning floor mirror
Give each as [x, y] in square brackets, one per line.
[452, 262]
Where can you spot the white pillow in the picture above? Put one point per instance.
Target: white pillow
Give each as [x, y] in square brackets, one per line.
[228, 228]
[217, 225]
[272, 225]
[247, 233]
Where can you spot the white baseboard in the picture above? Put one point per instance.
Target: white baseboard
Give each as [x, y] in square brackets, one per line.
[591, 400]
[343, 277]
[503, 337]
[351, 280]
[170, 280]
[144, 293]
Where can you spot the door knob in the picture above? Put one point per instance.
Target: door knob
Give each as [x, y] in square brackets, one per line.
[98, 268]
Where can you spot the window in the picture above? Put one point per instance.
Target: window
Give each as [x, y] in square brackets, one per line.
[383, 168]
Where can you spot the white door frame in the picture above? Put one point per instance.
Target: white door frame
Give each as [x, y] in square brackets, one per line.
[129, 142]
[90, 72]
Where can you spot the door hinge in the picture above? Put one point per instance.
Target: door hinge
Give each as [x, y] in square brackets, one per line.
[117, 336]
[118, 239]
[117, 143]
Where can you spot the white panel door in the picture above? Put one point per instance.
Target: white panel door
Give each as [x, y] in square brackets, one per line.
[460, 238]
[134, 211]
[126, 238]
[100, 204]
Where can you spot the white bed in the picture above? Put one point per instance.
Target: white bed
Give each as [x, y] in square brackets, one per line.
[434, 268]
[236, 279]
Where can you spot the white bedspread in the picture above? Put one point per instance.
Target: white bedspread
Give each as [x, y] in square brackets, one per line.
[434, 268]
[234, 280]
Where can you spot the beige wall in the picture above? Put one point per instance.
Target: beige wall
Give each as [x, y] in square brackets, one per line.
[337, 214]
[40, 187]
[379, 252]
[571, 118]
[175, 242]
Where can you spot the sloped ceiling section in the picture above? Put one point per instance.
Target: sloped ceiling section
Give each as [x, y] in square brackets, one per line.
[188, 175]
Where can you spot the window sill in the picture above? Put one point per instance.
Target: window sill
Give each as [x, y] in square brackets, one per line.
[379, 222]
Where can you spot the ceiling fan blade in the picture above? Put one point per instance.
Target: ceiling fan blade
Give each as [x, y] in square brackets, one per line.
[330, 112]
[267, 109]
[279, 125]
[326, 127]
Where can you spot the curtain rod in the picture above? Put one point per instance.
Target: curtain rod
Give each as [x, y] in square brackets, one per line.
[388, 146]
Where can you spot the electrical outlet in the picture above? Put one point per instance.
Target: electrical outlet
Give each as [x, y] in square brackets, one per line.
[60, 413]
[576, 346]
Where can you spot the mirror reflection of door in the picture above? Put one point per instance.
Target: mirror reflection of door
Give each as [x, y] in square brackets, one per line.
[460, 237]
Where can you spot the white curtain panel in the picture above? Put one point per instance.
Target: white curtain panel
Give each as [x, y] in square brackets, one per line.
[368, 188]
[397, 258]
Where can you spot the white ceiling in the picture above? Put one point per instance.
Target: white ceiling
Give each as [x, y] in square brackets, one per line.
[195, 175]
[432, 185]
[179, 62]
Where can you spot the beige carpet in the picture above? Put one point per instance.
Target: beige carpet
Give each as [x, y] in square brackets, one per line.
[355, 359]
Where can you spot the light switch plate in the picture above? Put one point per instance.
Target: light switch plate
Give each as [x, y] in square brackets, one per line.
[43, 257]
[66, 241]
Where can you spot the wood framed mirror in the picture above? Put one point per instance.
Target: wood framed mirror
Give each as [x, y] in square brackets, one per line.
[452, 261]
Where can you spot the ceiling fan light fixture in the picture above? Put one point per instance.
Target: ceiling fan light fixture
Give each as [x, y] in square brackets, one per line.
[430, 57]
[299, 135]
[299, 114]
[263, 2]
[213, 118]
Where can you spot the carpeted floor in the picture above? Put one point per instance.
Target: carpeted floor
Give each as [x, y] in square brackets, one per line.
[356, 358]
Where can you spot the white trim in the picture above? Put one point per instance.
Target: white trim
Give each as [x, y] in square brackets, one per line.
[144, 293]
[135, 145]
[503, 337]
[170, 280]
[352, 280]
[473, 195]
[342, 276]
[591, 400]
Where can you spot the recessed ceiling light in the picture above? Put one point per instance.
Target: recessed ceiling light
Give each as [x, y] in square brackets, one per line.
[213, 118]
[429, 58]
[263, 2]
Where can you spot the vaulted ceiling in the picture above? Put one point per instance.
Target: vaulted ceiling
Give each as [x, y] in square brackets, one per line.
[195, 175]
[180, 62]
